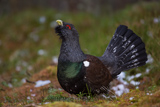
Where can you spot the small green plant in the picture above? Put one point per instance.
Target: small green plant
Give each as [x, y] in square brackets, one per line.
[29, 101]
[89, 96]
[152, 88]
[52, 90]
[8, 99]
[57, 97]
[4, 83]
[54, 95]
[81, 95]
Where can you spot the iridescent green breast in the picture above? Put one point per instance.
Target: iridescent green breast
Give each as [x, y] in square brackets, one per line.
[71, 76]
[69, 69]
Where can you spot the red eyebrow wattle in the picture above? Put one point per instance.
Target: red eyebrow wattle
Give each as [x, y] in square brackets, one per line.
[68, 26]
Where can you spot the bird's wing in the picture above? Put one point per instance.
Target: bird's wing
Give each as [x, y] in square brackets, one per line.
[97, 75]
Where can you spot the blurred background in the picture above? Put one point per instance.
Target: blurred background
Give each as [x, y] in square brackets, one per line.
[29, 44]
[96, 7]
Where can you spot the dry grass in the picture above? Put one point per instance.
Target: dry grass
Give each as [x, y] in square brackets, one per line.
[23, 37]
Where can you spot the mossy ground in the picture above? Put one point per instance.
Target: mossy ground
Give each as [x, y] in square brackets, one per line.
[28, 46]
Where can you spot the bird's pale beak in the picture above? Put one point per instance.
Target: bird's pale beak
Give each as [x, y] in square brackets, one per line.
[59, 22]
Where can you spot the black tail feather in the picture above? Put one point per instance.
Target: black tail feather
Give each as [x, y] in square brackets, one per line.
[125, 51]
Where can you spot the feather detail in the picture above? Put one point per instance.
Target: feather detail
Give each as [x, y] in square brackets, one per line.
[125, 51]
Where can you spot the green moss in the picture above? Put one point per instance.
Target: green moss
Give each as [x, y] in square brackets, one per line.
[57, 97]
[63, 104]
[152, 100]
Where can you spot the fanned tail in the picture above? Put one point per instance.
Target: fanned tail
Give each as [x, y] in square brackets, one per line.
[125, 51]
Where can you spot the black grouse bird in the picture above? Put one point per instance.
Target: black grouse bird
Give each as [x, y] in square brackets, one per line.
[79, 72]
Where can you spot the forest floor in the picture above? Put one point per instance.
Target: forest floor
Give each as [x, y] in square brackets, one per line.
[29, 49]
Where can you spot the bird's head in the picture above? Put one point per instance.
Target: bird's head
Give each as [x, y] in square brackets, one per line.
[66, 30]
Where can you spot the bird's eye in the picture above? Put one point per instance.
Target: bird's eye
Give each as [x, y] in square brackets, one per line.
[69, 27]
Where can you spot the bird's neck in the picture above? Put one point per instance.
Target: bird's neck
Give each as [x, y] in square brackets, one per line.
[71, 51]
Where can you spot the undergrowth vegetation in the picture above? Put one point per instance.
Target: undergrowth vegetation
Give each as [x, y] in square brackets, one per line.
[29, 48]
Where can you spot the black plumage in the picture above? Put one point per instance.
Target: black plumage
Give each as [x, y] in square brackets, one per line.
[125, 51]
[79, 72]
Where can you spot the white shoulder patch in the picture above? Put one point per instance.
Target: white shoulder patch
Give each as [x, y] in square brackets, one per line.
[86, 63]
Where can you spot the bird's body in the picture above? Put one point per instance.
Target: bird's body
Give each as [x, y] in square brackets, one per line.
[75, 77]
[79, 72]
